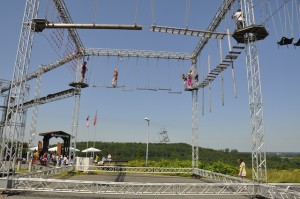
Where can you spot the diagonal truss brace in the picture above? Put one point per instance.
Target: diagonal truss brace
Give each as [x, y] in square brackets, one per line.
[64, 14]
[44, 69]
[225, 7]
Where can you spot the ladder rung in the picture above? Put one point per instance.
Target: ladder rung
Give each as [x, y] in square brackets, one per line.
[234, 52]
[238, 47]
[224, 64]
[222, 67]
[231, 56]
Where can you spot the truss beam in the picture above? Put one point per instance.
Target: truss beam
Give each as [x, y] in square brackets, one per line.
[39, 25]
[66, 18]
[225, 7]
[188, 32]
[259, 165]
[44, 69]
[135, 188]
[51, 97]
[137, 53]
[12, 132]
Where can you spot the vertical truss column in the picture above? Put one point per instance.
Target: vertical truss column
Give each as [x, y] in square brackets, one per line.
[259, 167]
[15, 117]
[195, 123]
[35, 111]
[19, 143]
[75, 116]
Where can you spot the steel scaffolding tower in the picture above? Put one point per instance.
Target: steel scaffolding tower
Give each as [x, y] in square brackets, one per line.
[12, 133]
[221, 13]
[259, 167]
[35, 113]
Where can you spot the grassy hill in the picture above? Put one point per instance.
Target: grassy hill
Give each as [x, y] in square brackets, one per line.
[183, 151]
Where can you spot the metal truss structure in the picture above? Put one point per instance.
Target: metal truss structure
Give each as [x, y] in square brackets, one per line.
[259, 165]
[220, 15]
[44, 69]
[188, 32]
[163, 136]
[124, 169]
[12, 132]
[223, 185]
[135, 188]
[52, 97]
[15, 117]
[46, 173]
[66, 18]
[136, 53]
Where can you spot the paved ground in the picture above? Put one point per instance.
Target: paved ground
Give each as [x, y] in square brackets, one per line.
[116, 178]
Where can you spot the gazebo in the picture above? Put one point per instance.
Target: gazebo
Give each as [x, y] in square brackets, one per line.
[63, 135]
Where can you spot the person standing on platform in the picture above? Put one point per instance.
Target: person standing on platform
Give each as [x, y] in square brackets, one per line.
[239, 17]
[83, 71]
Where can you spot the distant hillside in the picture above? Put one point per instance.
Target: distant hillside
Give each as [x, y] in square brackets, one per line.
[183, 151]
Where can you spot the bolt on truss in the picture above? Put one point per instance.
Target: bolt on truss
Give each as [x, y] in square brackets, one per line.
[259, 166]
[137, 53]
[14, 117]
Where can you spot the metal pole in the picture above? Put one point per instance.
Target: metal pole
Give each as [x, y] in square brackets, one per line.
[148, 120]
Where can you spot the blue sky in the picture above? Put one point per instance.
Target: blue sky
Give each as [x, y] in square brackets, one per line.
[121, 114]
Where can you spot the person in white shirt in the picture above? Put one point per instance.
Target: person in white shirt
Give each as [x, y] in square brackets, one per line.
[240, 18]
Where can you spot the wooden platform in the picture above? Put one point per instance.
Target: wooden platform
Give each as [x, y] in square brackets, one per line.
[259, 33]
[78, 84]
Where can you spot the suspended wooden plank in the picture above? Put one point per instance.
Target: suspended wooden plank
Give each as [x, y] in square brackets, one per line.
[188, 32]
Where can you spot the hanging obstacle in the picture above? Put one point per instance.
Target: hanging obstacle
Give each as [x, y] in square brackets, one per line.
[188, 32]
[229, 58]
[285, 41]
[297, 43]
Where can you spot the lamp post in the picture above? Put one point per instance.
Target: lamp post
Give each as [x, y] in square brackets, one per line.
[148, 121]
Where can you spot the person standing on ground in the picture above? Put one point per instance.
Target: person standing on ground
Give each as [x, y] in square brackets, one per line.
[242, 170]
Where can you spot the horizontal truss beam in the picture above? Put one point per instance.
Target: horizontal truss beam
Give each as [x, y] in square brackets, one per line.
[136, 188]
[188, 32]
[45, 68]
[137, 53]
[52, 97]
[39, 25]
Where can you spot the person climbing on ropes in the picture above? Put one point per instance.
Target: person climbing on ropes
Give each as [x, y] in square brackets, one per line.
[115, 78]
[83, 71]
[239, 17]
[183, 76]
[242, 170]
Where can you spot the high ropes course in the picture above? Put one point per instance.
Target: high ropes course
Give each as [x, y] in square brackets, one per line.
[61, 33]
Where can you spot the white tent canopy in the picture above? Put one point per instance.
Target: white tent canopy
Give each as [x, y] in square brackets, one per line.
[55, 149]
[91, 149]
